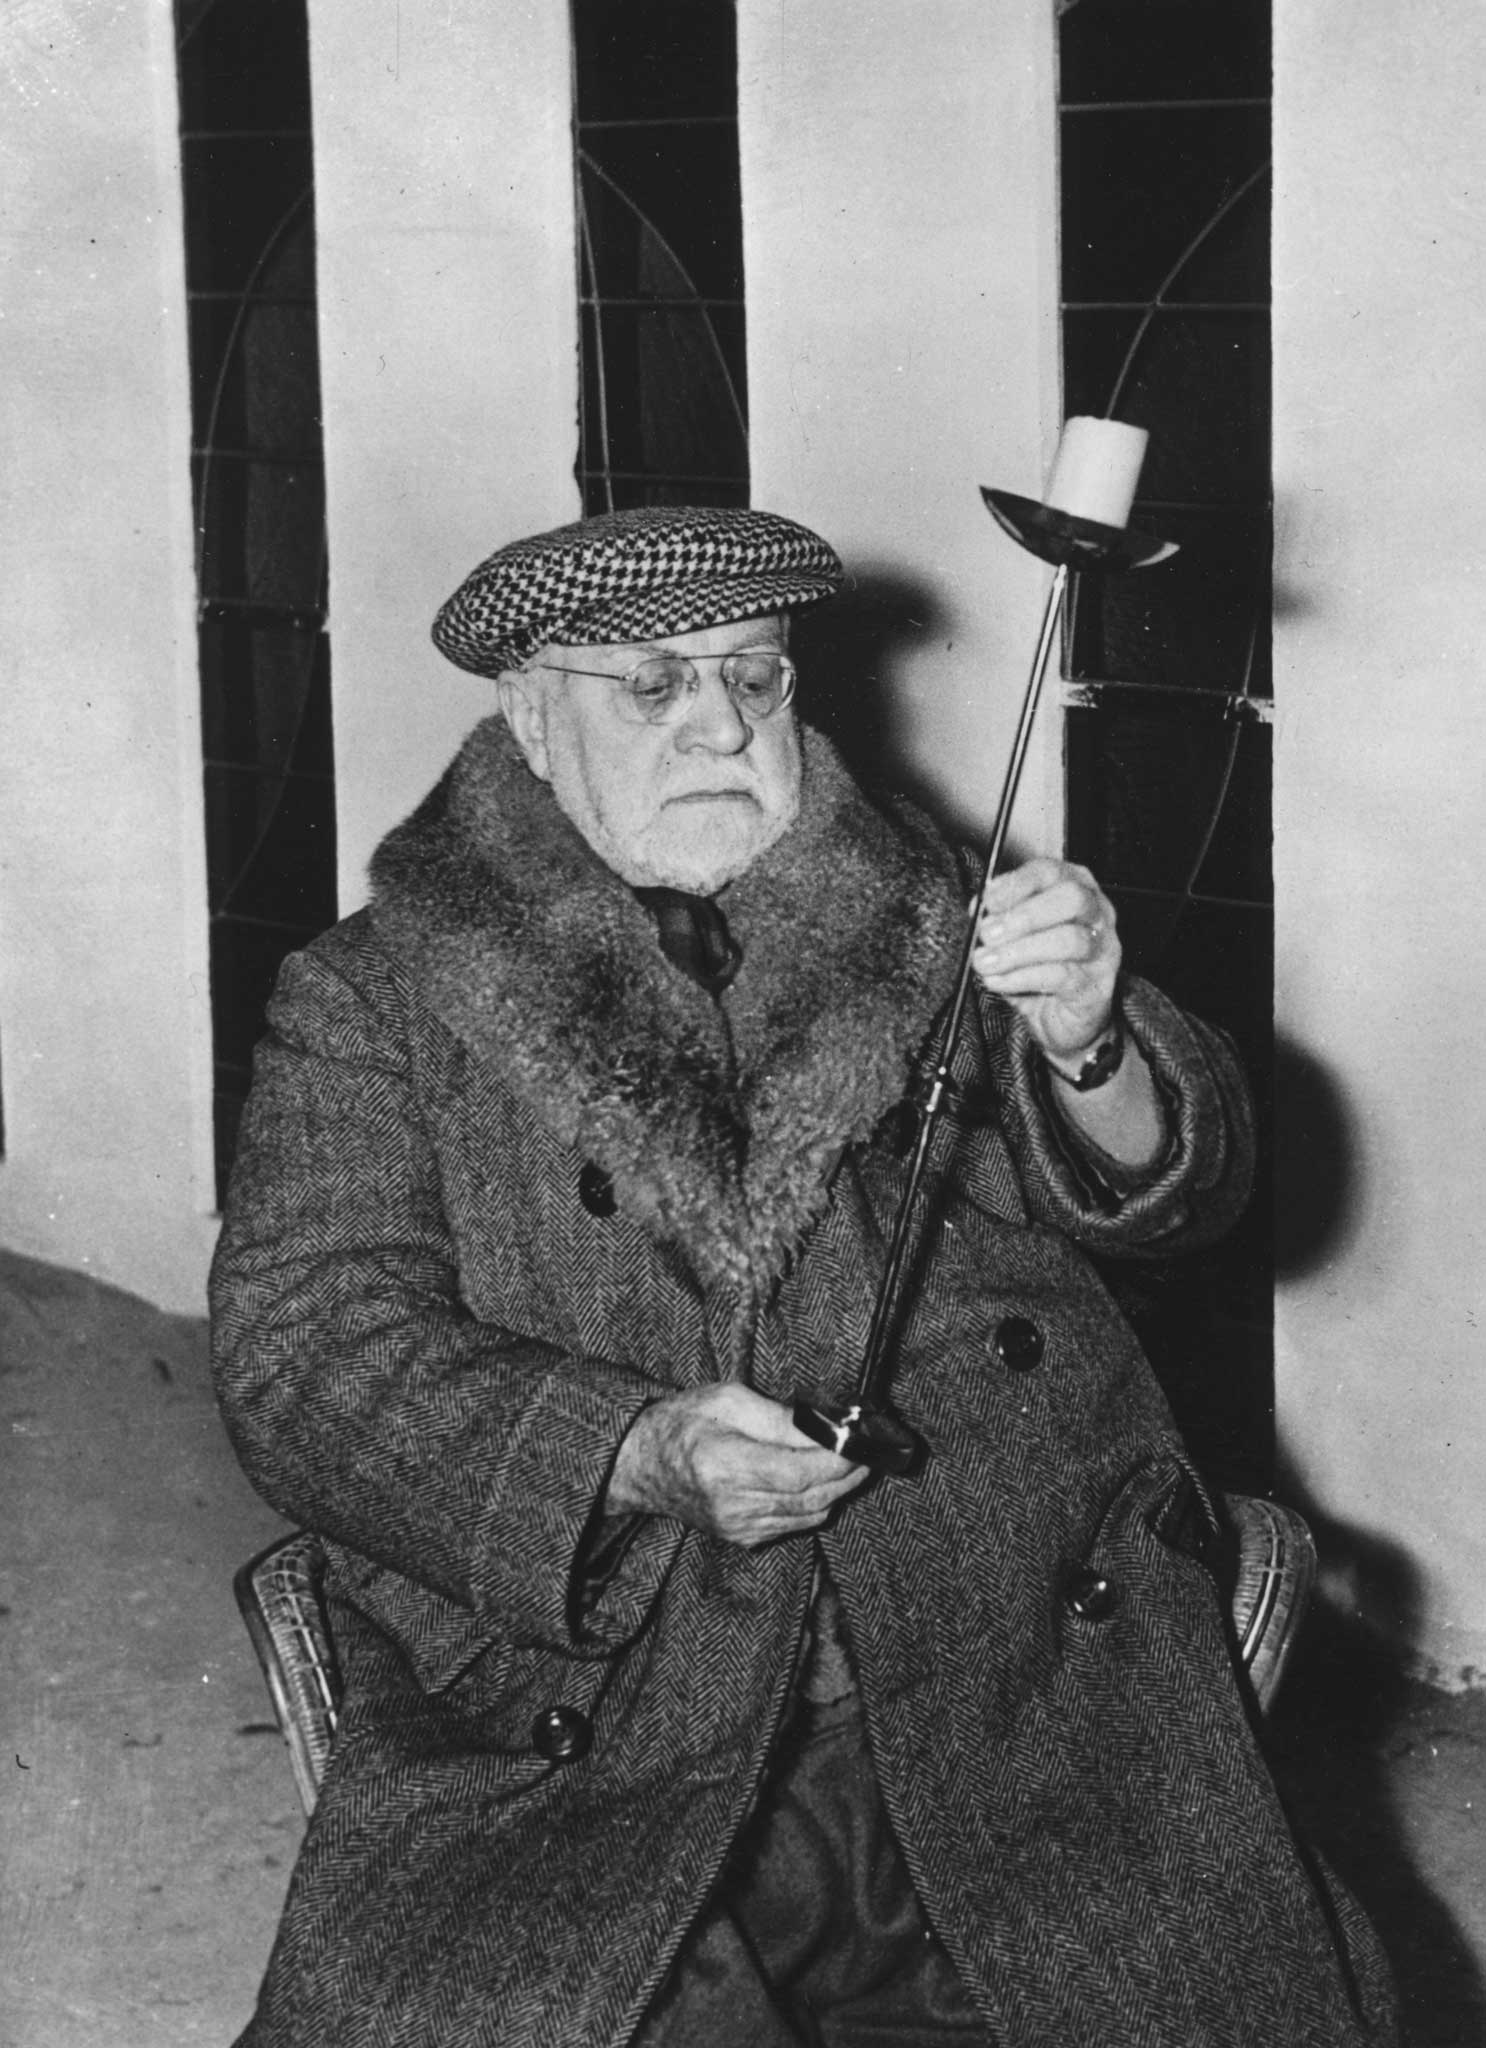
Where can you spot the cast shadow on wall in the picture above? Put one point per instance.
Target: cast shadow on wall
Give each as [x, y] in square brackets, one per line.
[1348, 1706]
[1349, 1719]
[847, 651]
[1318, 1164]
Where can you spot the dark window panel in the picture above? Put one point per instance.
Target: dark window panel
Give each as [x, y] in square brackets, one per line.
[1198, 381]
[1140, 190]
[218, 386]
[265, 694]
[1170, 793]
[244, 67]
[1198, 621]
[270, 845]
[279, 349]
[663, 212]
[263, 534]
[1206, 1323]
[1216, 959]
[1164, 49]
[229, 1094]
[663, 416]
[617, 494]
[255, 377]
[243, 196]
[654, 57]
[259, 494]
[663, 391]
[1173, 202]
[1206, 1318]
[245, 961]
[1228, 262]
[234, 418]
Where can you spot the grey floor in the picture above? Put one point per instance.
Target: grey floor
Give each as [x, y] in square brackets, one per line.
[150, 1820]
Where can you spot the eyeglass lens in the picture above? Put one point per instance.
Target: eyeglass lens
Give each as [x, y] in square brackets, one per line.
[758, 679]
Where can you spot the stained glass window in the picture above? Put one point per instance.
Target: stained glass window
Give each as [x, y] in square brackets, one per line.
[258, 486]
[664, 413]
[1164, 120]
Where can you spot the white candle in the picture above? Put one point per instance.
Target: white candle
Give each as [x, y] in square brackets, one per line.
[1096, 469]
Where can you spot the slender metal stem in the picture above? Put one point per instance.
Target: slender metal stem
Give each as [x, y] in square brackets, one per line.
[872, 1381]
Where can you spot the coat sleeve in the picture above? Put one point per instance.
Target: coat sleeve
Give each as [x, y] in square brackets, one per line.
[363, 1399]
[1199, 1184]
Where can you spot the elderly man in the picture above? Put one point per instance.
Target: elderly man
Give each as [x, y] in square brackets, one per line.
[566, 1173]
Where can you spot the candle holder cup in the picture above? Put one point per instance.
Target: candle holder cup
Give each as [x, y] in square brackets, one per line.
[1069, 541]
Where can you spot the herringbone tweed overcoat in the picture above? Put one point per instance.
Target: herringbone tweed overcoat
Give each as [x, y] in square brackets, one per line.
[506, 1176]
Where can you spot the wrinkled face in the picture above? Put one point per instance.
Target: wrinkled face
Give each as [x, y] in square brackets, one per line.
[687, 805]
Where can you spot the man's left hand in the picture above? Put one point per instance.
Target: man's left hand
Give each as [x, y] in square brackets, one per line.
[1047, 944]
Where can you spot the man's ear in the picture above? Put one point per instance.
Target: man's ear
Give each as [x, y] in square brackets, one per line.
[523, 705]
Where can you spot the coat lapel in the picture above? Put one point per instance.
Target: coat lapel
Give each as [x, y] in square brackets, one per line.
[541, 960]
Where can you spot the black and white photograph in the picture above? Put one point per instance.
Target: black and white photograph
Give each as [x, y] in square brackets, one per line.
[742, 813]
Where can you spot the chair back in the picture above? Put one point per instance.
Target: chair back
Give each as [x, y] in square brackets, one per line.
[281, 1602]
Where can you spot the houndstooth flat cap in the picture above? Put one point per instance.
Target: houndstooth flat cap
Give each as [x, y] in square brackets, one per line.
[634, 575]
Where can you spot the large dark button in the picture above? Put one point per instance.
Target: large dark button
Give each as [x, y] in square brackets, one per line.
[562, 1735]
[596, 1190]
[1090, 1595]
[1018, 1344]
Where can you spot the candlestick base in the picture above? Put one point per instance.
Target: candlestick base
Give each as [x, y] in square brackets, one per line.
[1064, 538]
[867, 1436]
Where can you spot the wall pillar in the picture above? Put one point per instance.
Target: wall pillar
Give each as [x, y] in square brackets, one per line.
[1380, 418]
[901, 262]
[448, 356]
[105, 1059]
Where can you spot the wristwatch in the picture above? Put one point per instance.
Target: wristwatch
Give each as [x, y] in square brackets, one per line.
[1103, 1063]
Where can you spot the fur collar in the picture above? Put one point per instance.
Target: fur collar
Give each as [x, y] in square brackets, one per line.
[541, 960]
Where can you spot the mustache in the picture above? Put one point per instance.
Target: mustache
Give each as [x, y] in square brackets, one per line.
[713, 789]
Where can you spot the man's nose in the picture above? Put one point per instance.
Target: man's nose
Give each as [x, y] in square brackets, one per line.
[713, 721]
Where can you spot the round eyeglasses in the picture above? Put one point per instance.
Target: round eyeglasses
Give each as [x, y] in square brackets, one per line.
[659, 689]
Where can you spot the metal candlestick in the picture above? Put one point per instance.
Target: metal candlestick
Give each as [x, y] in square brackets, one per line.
[867, 1431]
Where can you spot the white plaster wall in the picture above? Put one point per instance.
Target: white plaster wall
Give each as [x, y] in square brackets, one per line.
[104, 1035]
[901, 264]
[1381, 784]
[448, 355]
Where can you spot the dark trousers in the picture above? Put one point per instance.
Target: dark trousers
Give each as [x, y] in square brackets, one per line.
[815, 1938]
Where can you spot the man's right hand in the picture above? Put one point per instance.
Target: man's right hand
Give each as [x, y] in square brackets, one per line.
[723, 1459]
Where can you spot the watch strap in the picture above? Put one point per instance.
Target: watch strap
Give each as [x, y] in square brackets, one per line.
[1102, 1064]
